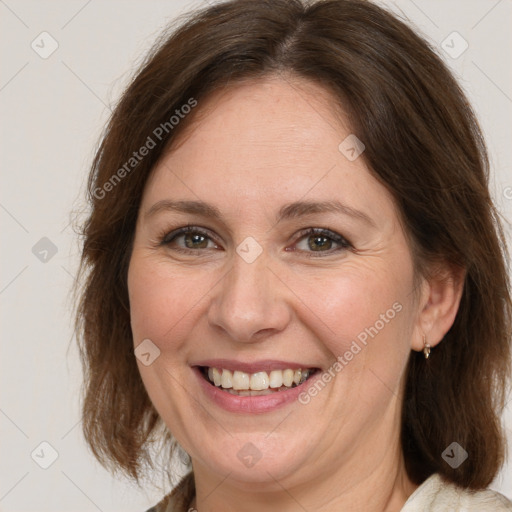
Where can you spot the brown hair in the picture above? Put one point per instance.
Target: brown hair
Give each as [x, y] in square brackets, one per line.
[422, 141]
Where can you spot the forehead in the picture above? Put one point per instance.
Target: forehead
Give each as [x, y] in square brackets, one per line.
[272, 141]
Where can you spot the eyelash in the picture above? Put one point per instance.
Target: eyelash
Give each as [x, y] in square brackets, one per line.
[342, 242]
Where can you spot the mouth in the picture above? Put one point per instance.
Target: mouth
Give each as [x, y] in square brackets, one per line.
[260, 383]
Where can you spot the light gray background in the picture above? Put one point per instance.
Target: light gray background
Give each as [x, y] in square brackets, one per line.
[52, 112]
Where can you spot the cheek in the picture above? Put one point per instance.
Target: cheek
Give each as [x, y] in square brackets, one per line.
[355, 299]
[364, 315]
[161, 301]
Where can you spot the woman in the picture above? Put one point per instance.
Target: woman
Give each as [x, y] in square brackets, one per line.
[295, 272]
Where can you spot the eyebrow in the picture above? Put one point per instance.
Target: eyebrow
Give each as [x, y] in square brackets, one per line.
[288, 211]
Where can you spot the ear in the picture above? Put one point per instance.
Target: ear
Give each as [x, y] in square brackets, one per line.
[438, 305]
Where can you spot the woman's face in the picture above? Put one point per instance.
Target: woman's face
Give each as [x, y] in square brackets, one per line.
[294, 260]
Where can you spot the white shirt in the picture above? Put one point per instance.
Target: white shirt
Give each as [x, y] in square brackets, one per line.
[434, 495]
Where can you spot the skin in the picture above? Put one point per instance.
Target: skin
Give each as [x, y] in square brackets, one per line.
[254, 148]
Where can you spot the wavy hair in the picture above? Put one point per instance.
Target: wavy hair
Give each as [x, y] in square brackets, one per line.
[422, 142]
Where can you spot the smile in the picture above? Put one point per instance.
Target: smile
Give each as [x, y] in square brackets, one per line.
[260, 383]
[253, 387]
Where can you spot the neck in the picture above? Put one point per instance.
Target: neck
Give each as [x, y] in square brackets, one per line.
[367, 476]
[385, 488]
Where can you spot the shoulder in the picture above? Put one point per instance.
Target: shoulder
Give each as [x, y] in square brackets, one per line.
[179, 499]
[437, 495]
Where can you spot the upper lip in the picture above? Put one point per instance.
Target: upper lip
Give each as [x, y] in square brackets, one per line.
[253, 366]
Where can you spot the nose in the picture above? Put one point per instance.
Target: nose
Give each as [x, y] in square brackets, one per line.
[249, 304]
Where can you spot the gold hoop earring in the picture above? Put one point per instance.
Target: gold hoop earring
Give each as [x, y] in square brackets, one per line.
[426, 348]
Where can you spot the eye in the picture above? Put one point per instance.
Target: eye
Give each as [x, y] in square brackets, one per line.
[189, 239]
[321, 241]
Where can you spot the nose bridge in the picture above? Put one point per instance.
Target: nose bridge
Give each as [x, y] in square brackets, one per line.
[249, 300]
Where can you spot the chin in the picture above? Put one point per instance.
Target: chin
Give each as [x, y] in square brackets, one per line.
[254, 458]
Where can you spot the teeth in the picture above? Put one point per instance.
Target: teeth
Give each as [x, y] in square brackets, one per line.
[217, 377]
[243, 384]
[227, 379]
[259, 381]
[241, 380]
[276, 378]
[248, 392]
[288, 378]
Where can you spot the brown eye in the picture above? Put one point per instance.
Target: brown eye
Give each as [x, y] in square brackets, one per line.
[195, 241]
[189, 239]
[319, 243]
[319, 240]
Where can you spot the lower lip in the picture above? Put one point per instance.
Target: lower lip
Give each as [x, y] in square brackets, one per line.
[250, 404]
